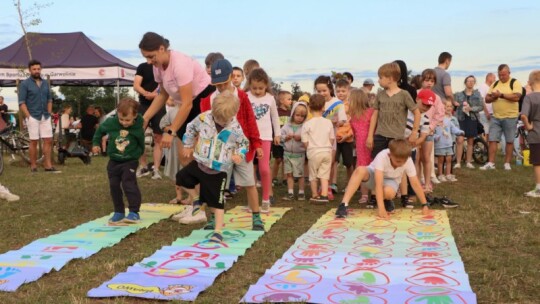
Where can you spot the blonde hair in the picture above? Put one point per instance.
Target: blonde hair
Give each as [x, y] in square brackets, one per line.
[225, 106]
[358, 103]
[399, 148]
[534, 77]
[390, 70]
[127, 106]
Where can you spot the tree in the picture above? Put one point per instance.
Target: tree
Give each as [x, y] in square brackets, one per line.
[276, 87]
[27, 18]
[296, 91]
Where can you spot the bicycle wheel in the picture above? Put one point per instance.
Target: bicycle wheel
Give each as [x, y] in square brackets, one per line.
[1, 162]
[480, 151]
[22, 144]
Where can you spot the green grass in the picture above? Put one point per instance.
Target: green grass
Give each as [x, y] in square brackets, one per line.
[499, 244]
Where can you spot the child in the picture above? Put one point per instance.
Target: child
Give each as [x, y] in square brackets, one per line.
[237, 77]
[530, 115]
[216, 140]
[249, 66]
[360, 114]
[264, 107]
[390, 108]
[126, 145]
[383, 176]
[344, 135]
[294, 150]
[334, 111]
[444, 144]
[66, 121]
[284, 113]
[318, 138]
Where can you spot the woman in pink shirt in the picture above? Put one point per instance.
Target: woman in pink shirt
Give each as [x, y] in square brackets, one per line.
[179, 77]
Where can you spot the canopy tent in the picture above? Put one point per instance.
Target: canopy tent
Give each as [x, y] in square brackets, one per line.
[67, 58]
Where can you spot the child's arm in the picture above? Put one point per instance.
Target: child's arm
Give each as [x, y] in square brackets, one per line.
[342, 116]
[285, 134]
[242, 146]
[192, 131]
[379, 193]
[417, 187]
[304, 136]
[372, 126]
[525, 111]
[526, 122]
[274, 116]
[416, 125]
[96, 140]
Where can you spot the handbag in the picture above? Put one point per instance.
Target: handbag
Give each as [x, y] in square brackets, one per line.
[479, 125]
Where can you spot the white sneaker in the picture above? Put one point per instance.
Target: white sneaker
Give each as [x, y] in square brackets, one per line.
[187, 211]
[469, 165]
[457, 166]
[451, 178]
[258, 184]
[435, 180]
[142, 171]
[533, 193]
[442, 178]
[507, 167]
[156, 175]
[488, 166]
[193, 219]
[8, 196]
[265, 207]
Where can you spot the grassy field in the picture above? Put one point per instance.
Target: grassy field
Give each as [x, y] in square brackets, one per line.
[496, 230]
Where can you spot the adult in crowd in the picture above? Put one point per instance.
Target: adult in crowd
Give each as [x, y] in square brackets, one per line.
[145, 84]
[403, 82]
[35, 102]
[485, 114]
[88, 126]
[4, 110]
[443, 86]
[504, 95]
[471, 104]
[368, 85]
[210, 59]
[349, 77]
[180, 77]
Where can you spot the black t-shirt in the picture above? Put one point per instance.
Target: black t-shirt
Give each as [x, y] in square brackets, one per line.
[5, 115]
[88, 126]
[148, 83]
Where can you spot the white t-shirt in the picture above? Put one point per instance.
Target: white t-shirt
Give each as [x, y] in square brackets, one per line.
[382, 163]
[266, 114]
[318, 132]
[483, 89]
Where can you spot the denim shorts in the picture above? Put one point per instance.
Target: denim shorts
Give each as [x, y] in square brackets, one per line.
[430, 138]
[500, 126]
[370, 183]
[444, 151]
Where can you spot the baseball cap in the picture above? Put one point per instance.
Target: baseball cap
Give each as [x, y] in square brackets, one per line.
[426, 96]
[369, 81]
[221, 71]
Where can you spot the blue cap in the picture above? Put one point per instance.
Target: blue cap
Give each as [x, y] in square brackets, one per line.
[221, 71]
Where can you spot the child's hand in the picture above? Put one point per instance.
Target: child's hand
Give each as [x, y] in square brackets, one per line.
[259, 152]
[426, 211]
[369, 142]
[277, 140]
[96, 149]
[412, 138]
[529, 126]
[236, 159]
[298, 137]
[187, 152]
[383, 214]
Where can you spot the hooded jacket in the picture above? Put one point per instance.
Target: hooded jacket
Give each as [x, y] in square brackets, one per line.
[293, 146]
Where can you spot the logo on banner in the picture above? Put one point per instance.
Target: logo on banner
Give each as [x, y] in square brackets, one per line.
[101, 72]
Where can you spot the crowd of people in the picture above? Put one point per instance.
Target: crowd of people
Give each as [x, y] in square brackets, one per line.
[220, 125]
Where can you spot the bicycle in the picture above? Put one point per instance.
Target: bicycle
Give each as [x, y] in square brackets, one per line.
[520, 141]
[480, 150]
[17, 143]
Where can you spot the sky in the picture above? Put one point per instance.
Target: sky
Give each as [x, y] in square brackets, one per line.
[296, 41]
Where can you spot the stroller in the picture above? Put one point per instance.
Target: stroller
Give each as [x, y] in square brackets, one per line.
[75, 149]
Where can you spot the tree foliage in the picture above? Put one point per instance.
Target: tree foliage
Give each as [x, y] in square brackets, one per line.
[81, 97]
[27, 18]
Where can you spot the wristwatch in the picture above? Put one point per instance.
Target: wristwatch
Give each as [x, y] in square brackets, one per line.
[170, 132]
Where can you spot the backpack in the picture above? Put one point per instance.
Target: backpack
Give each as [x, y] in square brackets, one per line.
[523, 91]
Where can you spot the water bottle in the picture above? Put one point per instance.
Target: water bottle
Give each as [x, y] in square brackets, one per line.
[519, 160]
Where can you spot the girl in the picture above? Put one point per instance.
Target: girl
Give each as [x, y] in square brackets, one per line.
[360, 113]
[470, 104]
[444, 144]
[266, 114]
[333, 110]
[67, 123]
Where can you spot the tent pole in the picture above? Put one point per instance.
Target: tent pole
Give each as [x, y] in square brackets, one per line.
[117, 91]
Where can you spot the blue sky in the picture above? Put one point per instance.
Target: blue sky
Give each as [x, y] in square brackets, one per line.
[299, 40]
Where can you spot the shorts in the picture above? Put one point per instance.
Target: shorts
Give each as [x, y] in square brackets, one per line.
[444, 151]
[39, 128]
[534, 155]
[379, 143]
[500, 126]
[277, 151]
[294, 163]
[387, 182]
[430, 138]
[195, 109]
[320, 165]
[212, 185]
[154, 121]
[243, 174]
[345, 150]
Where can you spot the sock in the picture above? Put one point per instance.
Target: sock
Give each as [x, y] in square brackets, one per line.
[345, 204]
[255, 215]
[291, 191]
[300, 191]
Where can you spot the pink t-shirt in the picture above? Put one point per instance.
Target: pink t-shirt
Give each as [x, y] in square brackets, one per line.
[182, 70]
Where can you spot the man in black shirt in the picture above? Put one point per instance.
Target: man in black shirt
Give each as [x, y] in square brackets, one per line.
[4, 110]
[88, 126]
[147, 87]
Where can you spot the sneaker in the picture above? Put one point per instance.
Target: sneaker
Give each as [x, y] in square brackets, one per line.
[319, 200]
[488, 166]
[272, 200]
[451, 178]
[341, 211]
[507, 167]
[132, 218]
[197, 207]
[301, 196]
[363, 200]
[257, 223]
[142, 171]
[435, 180]
[389, 205]
[469, 165]
[211, 225]
[330, 194]
[372, 204]
[8, 196]
[447, 203]
[457, 166]
[227, 195]
[275, 182]
[442, 178]
[533, 193]
[216, 238]
[289, 197]
[265, 207]
[117, 217]
[407, 204]
[194, 219]
[186, 212]
[156, 175]
[334, 188]
[52, 170]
